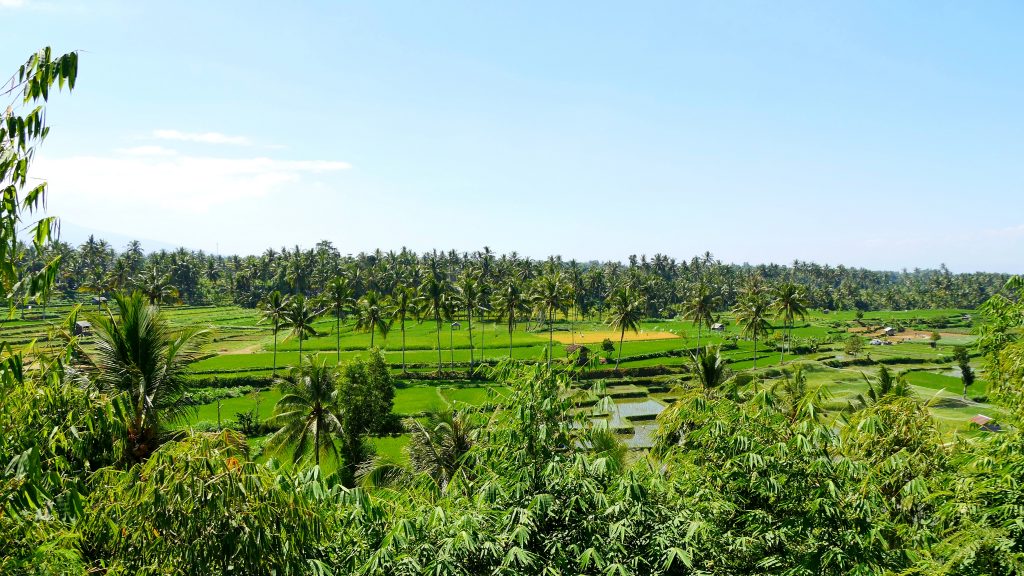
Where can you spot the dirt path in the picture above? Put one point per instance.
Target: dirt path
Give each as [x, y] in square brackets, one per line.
[251, 349]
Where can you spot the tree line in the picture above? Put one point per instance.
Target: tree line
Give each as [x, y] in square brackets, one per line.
[97, 268]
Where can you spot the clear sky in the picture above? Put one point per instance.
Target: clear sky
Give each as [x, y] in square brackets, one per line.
[878, 134]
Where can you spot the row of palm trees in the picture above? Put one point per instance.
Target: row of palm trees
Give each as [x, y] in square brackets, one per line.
[440, 300]
[544, 298]
[757, 303]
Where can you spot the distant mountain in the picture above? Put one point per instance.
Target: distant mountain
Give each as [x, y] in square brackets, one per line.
[75, 234]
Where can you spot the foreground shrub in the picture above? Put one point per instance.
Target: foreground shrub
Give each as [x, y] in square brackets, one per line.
[201, 507]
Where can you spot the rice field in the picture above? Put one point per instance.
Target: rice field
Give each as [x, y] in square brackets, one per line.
[239, 349]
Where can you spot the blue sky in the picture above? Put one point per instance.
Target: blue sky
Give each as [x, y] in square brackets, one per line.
[885, 135]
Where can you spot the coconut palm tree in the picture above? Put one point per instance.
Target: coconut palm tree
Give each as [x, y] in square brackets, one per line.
[156, 286]
[404, 301]
[435, 298]
[789, 305]
[307, 412]
[299, 317]
[337, 296]
[469, 297]
[273, 309]
[751, 312]
[139, 355]
[708, 368]
[550, 295]
[373, 315]
[700, 306]
[626, 310]
[510, 303]
[438, 444]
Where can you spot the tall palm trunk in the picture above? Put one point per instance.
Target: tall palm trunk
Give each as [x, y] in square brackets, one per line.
[316, 435]
[755, 351]
[551, 336]
[699, 324]
[622, 336]
[403, 347]
[509, 340]
[338, 329]
[469, 320]
[782, 357]
[275, 350]
[373, 332]
[437, 320]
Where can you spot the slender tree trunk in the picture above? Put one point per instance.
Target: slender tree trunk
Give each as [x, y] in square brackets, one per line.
[373, 333]
[437, 320]
[782, 357]
[698, 336]
[316, 442]
[551, 337]
[469, 320]
[275, 351]
[622, 336]
[404, 371]
[509, 340]
[483, 333]
[755, 351]
[338, 328]
[451, 347]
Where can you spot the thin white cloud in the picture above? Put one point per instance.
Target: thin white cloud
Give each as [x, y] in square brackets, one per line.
[12, 3]
[203, 137]
[162, 185]
[1007, 232]
[147, 151]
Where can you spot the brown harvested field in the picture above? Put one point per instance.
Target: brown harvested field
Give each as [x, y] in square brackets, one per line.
[598, 336]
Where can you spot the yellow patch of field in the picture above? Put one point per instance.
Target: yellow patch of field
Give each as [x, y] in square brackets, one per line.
[598, 336]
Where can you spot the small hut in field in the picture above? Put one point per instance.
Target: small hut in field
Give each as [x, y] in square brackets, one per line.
[583, 351]
[82, 328]
[985, 423]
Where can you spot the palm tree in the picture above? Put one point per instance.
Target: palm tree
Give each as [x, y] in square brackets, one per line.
[626, 310]
[751, 311]
[156, 286]
[435, 296]
[139, 355]
[700, 306]
[299, 317]
[273, 309]
[374, 315]
[789, 305]
[338, 297]
[438, 444]
[708, 368]
[307, 411]
[510, 302]
[550, 295]
[403, 304]
[469, 292]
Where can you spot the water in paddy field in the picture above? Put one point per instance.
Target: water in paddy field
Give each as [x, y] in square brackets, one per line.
[643, 431]
[628, 408]
[643, 435]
